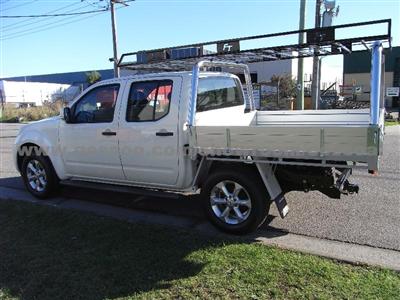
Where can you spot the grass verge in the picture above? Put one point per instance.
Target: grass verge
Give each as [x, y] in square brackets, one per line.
[47, 253]
[392, 123]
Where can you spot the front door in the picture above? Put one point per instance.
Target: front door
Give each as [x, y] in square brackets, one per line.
[148, 136]
[89, 145]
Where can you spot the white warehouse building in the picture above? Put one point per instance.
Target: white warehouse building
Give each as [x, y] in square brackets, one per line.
[263, 71]
[29, 93]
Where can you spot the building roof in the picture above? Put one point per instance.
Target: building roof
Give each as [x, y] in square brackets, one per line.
[62, 78]
[360, 61]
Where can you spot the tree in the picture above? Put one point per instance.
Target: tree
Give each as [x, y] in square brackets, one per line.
[285, 84]
[93, 77]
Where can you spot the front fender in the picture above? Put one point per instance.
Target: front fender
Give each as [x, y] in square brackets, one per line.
[46, 137]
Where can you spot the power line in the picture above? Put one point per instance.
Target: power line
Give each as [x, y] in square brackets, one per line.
[91, 3]
[39, 27]
[35, 28]
[29, 22]
[19, 5]
[49, 26]
[57, 15]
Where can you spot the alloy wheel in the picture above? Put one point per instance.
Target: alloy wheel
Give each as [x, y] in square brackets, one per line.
[36, 175]
[230, 202]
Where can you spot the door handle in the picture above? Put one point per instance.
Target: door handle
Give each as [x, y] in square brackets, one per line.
[164, 133]
[108, 133]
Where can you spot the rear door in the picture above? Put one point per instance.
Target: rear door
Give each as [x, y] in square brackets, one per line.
[149, 135]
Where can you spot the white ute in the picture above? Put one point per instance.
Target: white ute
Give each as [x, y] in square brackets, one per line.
[191, 132]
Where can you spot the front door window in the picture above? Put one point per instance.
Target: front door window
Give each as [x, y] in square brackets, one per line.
[97, 106]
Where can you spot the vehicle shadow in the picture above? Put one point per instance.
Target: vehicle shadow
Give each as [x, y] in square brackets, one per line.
[57, 254]
[48, 253]
[186, 206]
[14, 182]
[181, 206]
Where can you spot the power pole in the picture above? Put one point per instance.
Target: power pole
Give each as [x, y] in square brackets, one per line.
[2, 105]
[300, 62]
[315, 86]
[114, 34]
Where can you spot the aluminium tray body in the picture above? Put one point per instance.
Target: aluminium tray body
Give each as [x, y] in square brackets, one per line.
[331, 135]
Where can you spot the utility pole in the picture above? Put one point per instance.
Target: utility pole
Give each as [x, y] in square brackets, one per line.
[114, 34]
[315, 86]
[300, 62]
[2, 105]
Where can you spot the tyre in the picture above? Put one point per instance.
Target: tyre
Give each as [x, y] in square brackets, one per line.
[235, 201]
[39, 176]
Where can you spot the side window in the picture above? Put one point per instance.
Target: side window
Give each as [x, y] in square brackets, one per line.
[97, 106]
[149, 100]
[218, 92]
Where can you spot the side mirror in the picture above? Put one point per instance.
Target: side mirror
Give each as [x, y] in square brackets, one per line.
[67, 115]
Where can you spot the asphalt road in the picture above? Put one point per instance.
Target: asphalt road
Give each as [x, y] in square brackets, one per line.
[370, 218]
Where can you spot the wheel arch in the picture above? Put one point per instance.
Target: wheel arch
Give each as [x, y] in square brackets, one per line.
[262, 172]
[33, 148]
[230, 175]
[212, 166]
[27, 149]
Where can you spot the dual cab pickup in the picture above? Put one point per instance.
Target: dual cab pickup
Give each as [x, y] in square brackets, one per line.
[192, 132]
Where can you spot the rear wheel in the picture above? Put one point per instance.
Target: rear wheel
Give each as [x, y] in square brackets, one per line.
[235, 201]
[39, 176]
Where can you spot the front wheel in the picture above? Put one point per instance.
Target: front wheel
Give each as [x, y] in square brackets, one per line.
[235, 201]
[39, 176]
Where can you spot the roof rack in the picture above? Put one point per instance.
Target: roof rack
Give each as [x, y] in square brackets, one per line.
[319, 42]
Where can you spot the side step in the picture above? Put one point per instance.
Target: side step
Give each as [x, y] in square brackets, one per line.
[120, 189]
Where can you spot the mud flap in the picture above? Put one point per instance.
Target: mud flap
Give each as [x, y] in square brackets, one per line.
[273, 187]
[282, 206]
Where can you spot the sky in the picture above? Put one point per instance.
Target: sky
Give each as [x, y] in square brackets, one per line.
[81, 43]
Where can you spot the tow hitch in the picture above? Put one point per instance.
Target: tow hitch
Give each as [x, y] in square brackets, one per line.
[343, 184]
[330, 181]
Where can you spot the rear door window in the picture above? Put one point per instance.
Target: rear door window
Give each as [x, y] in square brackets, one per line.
[149, 100]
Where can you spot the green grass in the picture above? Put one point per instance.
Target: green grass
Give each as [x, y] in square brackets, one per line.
[47, 253]
[391, 123]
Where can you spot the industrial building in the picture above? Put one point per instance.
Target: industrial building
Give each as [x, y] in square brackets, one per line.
[71, 78]
[38, 89]
[73, 82]
[21, 93]
[356, 76]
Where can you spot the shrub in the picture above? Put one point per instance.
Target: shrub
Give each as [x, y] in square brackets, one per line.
[14, 114]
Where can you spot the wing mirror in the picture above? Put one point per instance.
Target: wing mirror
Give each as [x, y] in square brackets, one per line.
[67, 115]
